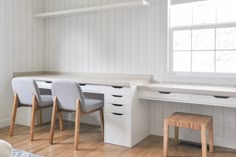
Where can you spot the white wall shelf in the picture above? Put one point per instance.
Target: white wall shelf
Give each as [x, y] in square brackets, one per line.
[138, 3]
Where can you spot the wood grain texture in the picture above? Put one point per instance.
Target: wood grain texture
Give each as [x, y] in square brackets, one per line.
[40, 121]
[91, 144]
[14, 111]
[190, 121]
[33, 114]
[77, 124]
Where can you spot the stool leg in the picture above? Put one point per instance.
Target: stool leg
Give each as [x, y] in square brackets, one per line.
[203, 138]
[211, 142]
[176, 134]
[166, 138]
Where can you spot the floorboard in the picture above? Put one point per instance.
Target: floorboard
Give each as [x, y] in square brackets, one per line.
[91, 144]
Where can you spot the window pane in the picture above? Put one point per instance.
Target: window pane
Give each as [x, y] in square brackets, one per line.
[182, 61]
[182, 40]
[226, 38]
[181, 15]
[203, 61]
[226, 11]
[203, 39]
[204, 13]
[226, 61]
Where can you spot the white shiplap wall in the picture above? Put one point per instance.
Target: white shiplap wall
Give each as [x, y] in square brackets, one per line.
[119, 40]
[123, 41]
[21, 47]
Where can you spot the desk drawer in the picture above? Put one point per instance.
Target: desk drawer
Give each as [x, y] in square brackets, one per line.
[117, 129]
[117, 108]
[162, 95]
[117, 99]
[92, 88]
[214, 100]
[44, 85]
[118, 90]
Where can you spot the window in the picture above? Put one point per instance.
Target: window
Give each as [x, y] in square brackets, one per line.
[202, 37]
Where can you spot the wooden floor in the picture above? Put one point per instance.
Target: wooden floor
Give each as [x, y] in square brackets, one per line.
[91, 144]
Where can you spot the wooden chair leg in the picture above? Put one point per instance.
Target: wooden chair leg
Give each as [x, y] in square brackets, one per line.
[211, 140]
[14, 110]
[102, 121]
[33, 113]
[54, 112]
[77, 124]
[203, 139]
[61, 121]
[166, 138]
[176, 134]
[40, 117]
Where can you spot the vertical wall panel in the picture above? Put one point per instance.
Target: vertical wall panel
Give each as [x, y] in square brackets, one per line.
[10, 56]
[126, 40]
[21, 47]
[134, 40]
[119, 42]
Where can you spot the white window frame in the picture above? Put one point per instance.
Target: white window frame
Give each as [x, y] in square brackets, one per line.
[192, 77]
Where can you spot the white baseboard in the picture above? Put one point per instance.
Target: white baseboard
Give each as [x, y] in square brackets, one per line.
[5, 123]
[23, 116]
[218, 141]
[92, 118]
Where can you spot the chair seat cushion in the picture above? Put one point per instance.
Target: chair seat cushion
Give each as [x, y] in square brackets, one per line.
[46, 100]
[92, 104]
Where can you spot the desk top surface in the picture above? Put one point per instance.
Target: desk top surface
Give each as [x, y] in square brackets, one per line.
[97, 79]
[191, 89]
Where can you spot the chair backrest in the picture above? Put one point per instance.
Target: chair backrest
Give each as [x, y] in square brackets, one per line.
[67, 92]
[25, 89]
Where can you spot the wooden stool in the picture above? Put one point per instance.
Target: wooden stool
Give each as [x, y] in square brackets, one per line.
[191, 121]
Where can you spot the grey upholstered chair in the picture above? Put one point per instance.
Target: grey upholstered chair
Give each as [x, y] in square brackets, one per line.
[26, 94]
[69, 97]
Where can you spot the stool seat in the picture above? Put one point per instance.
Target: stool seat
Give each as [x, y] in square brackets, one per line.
[191, 121]
[186, 120]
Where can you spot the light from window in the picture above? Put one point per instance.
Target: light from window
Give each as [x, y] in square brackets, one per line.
[203, 36]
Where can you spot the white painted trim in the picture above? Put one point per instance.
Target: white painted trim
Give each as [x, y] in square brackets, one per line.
[5, 123]
[204, 26]
[218, 141]
[175, 2]
[194, 77]
[138, 3]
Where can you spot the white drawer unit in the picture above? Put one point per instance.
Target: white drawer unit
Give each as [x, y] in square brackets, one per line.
[117, 108]
[117, 99]
[164, 96]
[117, 116]
[117, 129]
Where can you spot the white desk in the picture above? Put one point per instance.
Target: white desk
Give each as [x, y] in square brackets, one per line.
[196, 94]
[126, 120]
